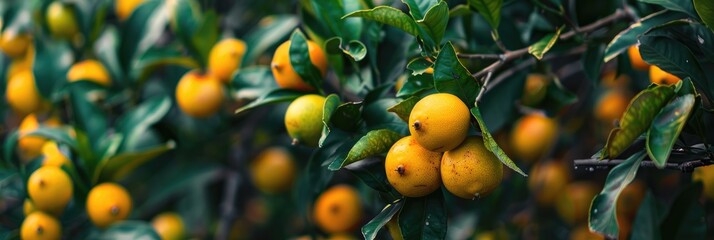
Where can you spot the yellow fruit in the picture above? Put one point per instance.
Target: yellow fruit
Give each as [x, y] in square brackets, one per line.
[582, 232]
[199, 95]
[629, 200]
[610, 81]
[124, 8]
[574, 204]
[706, 176]
[169, 226]
[273, 170]
[28, 207]
[547, 181]
[611, 106]
[61, 20]
[394, 231]
[439, 122]
[22, 94]
[303, 119]
[91, 70]
[534, 89]
[21, 64]
[532, 136]
[497, 234]
[40, 226]
[283, 71]
[53, 155]
[412, 169]
[660, 77]
[14, 44]
[471, 171]
[400, 83]
[50, 189]
[338, 209]
[341, 236]
[108, 203]
[636, 59]
[225, 58]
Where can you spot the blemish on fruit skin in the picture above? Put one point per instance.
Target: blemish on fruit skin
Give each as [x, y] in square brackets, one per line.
[417, 125]
[114, 210]
[400, 169]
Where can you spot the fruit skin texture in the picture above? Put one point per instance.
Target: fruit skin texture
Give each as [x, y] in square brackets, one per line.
[574, 204]
[169, 226]
[611, 106]
[303, 119]
[532, 136]
[22, 94]
[273, 170]
[53, 156]
[706, 176]
[412, 169]
[283, 70]
[660, 77]
[199, 95]
[338, 209]
[14, 44]
[470, 170]
[225, 58]
[439, 122]
[547, 181]
[40, 226]
[535, 88]
[124, 8]
[92, 70]
[108, 203]
[50, 189]
[61, 20]
[636, 59]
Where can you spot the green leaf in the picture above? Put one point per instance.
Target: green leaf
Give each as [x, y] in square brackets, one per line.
[416, 84]
[705, 9]
[106, 48]
[491, 144]
[424, 217]
[390, 16]
[154, 58]
[539, 48]
[557, 97]
[138, 230]
[370, 230]
[419, 65]
[328, 109]
[603, 217]
[252, 82]
[489, 9]
[269, 31]
[300, 60]
[141, 30]
[637, 118]
[354, 49]
[117, 167]
[628, 37]
[418, 9]
[274, 96]
[60, 135]
[52, 61]
[330, 12]
[686, 215]
[404, 108]
[683, 6]
[373, 143]
[137, 121]
[88, 117]
[9, 149]
[197, 29]
[459, 11]
[666, 127]
[647, 220]
[371, 172]
[433, 27]
[450, 76]
[347, 116]
[592, 62]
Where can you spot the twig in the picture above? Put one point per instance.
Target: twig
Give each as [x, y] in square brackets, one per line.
[596, 164]
[479, 56]
[619, 14]
[484, 86]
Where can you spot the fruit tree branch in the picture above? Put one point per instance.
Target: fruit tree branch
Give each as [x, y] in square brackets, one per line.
[596, 164]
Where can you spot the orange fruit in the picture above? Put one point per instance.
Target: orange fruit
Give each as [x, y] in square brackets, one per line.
[225, 58]
[283, 70]
[609, 80]
[40, 226]
[50, 189]
[535, 89]
[636, 59]
[547, 181]
[91, 70]
[412, 169]
[440, 122]
[199, 95]
[611, 106]
[108, 203]
[22, 63]
[61, 20]
[30, 147]
[53, 155]
[124, 8]
[706, 176]
[169, 226]
[470, 171]
[15, 44]
[532, 136]
[22, 94]
[273, 170]
[630, 198]
[660, 77]
[28, 207]
[338, 209]
[303, 119]
[574, 204]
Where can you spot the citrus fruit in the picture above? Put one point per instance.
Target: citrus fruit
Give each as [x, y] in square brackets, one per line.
[91, 70]
[108, 203]
[284, 73]
[225, 58]
[31, 146]
[412, 169]
[471, 171]
[534, 89]
[636, 59]
[124, 8]
[439, 122]
[532, 136]
[14, 44]
[169, 226]
[22, 63]
[706, 176]
[303, 119]
[53, 155]
[547, 181]
[273, 170]
[574, 204]
[199, 95]
[28, 207]
[610, 79]
[61, 20]
[22, 94]
[660, 77]
[611, 106]
[40, 226]
[338, 209]
[50, 189]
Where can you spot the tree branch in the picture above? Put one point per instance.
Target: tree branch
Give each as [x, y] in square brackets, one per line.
[596, 164]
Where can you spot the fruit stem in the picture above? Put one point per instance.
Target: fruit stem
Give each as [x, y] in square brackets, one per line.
[295, 142]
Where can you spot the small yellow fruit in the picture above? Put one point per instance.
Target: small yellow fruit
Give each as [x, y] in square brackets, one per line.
[534, 89]
[582, 232]
[636, 59]
[439, 122]
[273, 170]
[660, 77]
[611, 106]
[547, 181]
[225, 58]
[124, 8]
[40, 226]
[303, 119]
[15, 44]
[53, 155]
[574, 204]
[22, 94]
[532, 136]
[61, 20]
[412, 169]
[400, 83]
[706, 176]
[283, 70]
[28, 207]
[91, 70]
[394, 231]
[50, 189]
[31, 146]
[338, 209]
[199, 95]
[20, 64]
[341, 236]
[108, 203]
[169, 226]
[610, 81]
[471, 171]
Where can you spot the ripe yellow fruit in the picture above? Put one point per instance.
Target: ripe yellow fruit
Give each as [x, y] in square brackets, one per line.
[273, 170]
[706, 176]
[124, 8]
[199, 95]
[534, 89]
[341, 236]
[31, 146]
[303, 119]
[532, 136]
[610, 81]
[15, 44]
[53, 155]
[439, 122]
[22, 94]
[169, 226]
[611, 106]
[636, 59]
[23, 63]
[338, 209]
[582, 232]
[40, 226]
[91, 70]
[471, 171]
[412, 169]
[28, 207]
[574, 204]
[108, 203]
[660, 77]
[629, 200]
[61, 20]
[394, 231]
[283, 70]
[547, 181]
[50, 189]
[225, 58]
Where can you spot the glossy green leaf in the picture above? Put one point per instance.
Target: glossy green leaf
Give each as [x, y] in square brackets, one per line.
[489, 9]
[330, 12]
[136, 122]
[459, 11]
[376, 116]
[424, 217]
[117, 167]
[141, 30]
[649, 216]
[683, 6]
[419, 65]
[705, 9]
[592, 62]
[252, 82]
[137, 230]
[9, 149]
[390, 16]
[539, 48]
[370, 230]
[373, 143]
[433, 27]
[274, 96]
[60, 135]
[416, 84]
[419, 8]
[491, 144]
[404, 108]
[371, 172]
[328, 109]
[603, 217]
[269, 31]
[154, 58]
[300, 60]
[675, 58]
[666, 127]
[628, 37]
[450, 76]
[637, 118]
[347, 116]
[52, 61]
[88, 117]
[354, 49]
[106, 48]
